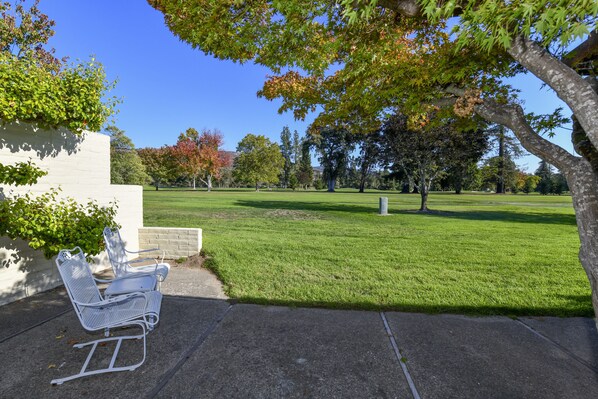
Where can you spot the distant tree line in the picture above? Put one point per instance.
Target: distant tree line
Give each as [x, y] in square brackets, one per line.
[443, 157]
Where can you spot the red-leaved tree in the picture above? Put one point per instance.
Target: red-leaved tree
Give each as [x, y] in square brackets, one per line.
[199, 155]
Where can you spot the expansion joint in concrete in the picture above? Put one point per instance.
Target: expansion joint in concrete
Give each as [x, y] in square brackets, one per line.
[559, 346]
[35, 325]
[399, 356]
[196, 345]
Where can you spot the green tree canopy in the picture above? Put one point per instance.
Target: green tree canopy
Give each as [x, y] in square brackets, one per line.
[126, 166]
[159, 164]
[258, 161]
[358, 60]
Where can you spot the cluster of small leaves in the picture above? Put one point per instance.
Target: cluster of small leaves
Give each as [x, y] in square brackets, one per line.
[50, 224]
[72, 98]
[493, 23]
[20, 174]
[38, 88]
[24, 32]
[547, 123]
[464, 106]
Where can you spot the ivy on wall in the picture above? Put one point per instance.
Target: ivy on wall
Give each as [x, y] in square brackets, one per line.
[38, 88]
[50, 224]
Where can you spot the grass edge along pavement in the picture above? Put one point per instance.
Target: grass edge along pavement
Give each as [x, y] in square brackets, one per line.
[479, 254]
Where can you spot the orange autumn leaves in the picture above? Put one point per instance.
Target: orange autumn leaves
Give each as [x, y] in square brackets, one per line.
[198, 155]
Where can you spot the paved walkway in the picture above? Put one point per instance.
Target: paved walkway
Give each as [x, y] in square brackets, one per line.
[212, 348]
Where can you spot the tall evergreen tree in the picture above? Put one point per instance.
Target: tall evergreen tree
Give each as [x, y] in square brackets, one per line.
[297, 148]
[287, 151]
[544, 171]
[305, 172]
[126, 166]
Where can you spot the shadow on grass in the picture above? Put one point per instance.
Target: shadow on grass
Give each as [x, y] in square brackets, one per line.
[500, 216]
[308, 206]
[481, 215]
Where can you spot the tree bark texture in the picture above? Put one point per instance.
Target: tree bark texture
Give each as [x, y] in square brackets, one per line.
[583, 183]
[581, 178]
[571, 87]
[423, 192]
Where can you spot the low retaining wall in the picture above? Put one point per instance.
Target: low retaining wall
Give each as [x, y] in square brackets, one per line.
[176, 242]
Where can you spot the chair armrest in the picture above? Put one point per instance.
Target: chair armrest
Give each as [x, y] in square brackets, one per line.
[112, 300]
[99, 280]
[142, 260]
[142, 250]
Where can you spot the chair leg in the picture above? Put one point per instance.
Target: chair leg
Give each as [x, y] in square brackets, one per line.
[110, 368]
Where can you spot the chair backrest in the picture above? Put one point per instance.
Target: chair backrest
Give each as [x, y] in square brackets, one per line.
[66, 254]
[116, 251]
[78, 280]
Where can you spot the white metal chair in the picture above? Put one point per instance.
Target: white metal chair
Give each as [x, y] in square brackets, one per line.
[141, 309]
[121, 265]
[118, 285]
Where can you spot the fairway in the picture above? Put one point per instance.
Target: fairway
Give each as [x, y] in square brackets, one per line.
[478, 254]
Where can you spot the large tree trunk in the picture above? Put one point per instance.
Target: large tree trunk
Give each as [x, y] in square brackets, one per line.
[331, 184]
[209, 183]
[583, 184]
[581, 177]
[423, 192]
[194, 183]
[459, 185]
[365, 167]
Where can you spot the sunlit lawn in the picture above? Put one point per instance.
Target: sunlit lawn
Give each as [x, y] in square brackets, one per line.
[480, 254]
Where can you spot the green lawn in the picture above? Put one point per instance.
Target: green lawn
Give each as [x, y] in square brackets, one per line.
[481, 254]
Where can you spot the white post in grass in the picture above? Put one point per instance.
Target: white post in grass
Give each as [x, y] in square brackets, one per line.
[383, 206]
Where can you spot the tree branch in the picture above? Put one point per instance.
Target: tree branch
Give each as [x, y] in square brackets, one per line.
[408, 8]
[586, 51]
[568, 84]
[513, 117]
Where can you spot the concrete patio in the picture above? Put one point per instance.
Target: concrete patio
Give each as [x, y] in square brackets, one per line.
[214, 348]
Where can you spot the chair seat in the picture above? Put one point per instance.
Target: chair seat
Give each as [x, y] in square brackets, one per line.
[96, 318]
[161, 270]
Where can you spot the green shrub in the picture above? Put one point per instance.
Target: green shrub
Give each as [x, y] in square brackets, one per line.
[50, 224]
[20, 174]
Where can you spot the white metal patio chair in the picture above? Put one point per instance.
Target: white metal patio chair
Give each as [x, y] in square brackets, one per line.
[117, 285]
[121, 265]
[141, 309]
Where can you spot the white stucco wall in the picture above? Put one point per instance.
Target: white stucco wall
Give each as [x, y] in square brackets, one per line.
[80, 165]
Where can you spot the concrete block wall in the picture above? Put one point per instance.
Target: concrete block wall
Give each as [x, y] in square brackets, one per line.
[175, 242]
[80, 165]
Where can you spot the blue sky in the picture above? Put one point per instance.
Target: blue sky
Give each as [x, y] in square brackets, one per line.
[166, 86]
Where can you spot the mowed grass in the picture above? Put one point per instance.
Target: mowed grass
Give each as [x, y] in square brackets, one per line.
[479, 254]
